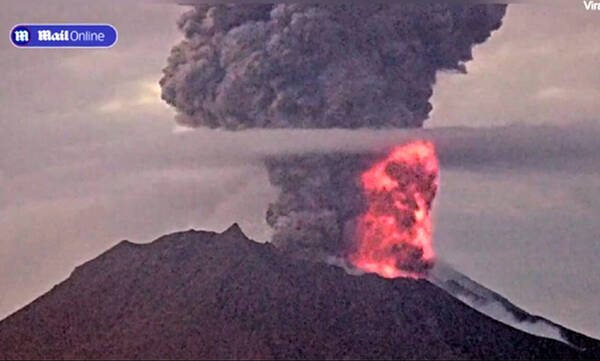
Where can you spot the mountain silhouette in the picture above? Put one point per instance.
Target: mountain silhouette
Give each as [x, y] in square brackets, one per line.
[201, 295]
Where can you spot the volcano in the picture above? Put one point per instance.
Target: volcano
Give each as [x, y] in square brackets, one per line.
[200, 295]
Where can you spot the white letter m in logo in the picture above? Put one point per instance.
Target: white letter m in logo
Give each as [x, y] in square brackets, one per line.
[21, 36]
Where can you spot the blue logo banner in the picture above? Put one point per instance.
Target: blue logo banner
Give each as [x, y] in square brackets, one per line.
[64, 36]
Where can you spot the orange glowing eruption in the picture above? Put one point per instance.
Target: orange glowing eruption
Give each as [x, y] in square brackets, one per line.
[394, 236]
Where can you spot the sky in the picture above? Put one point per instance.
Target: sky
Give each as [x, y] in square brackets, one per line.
[90, 155]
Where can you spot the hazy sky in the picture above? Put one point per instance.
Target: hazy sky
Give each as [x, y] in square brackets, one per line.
[89, 156]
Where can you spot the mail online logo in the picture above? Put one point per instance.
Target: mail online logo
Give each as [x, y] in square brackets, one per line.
[64, 36]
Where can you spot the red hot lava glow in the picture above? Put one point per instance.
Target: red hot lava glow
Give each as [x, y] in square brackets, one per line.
[394, 236]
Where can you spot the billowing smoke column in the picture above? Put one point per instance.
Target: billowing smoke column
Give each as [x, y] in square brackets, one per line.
[320, 200]
[350, 65]
[371, 209]
[342, 65]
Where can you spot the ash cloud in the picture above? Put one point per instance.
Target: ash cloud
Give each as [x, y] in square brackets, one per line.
[342, 65]
[320, 198]
[345, 65]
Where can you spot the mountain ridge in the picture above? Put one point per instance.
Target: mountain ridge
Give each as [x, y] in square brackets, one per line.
[199, 294]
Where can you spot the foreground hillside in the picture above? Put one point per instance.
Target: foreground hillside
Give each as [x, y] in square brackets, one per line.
[209, 295]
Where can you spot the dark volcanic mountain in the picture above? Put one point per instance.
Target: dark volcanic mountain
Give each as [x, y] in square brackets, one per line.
[209, 295]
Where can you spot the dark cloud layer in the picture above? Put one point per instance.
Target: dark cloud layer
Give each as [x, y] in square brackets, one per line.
[318, 66]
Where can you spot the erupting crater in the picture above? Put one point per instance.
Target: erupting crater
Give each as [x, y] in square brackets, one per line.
[394, 235]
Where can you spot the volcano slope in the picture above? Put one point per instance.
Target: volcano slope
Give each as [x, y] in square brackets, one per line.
[205, 295]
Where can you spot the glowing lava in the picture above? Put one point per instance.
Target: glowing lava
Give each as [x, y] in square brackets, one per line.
[394, 236]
